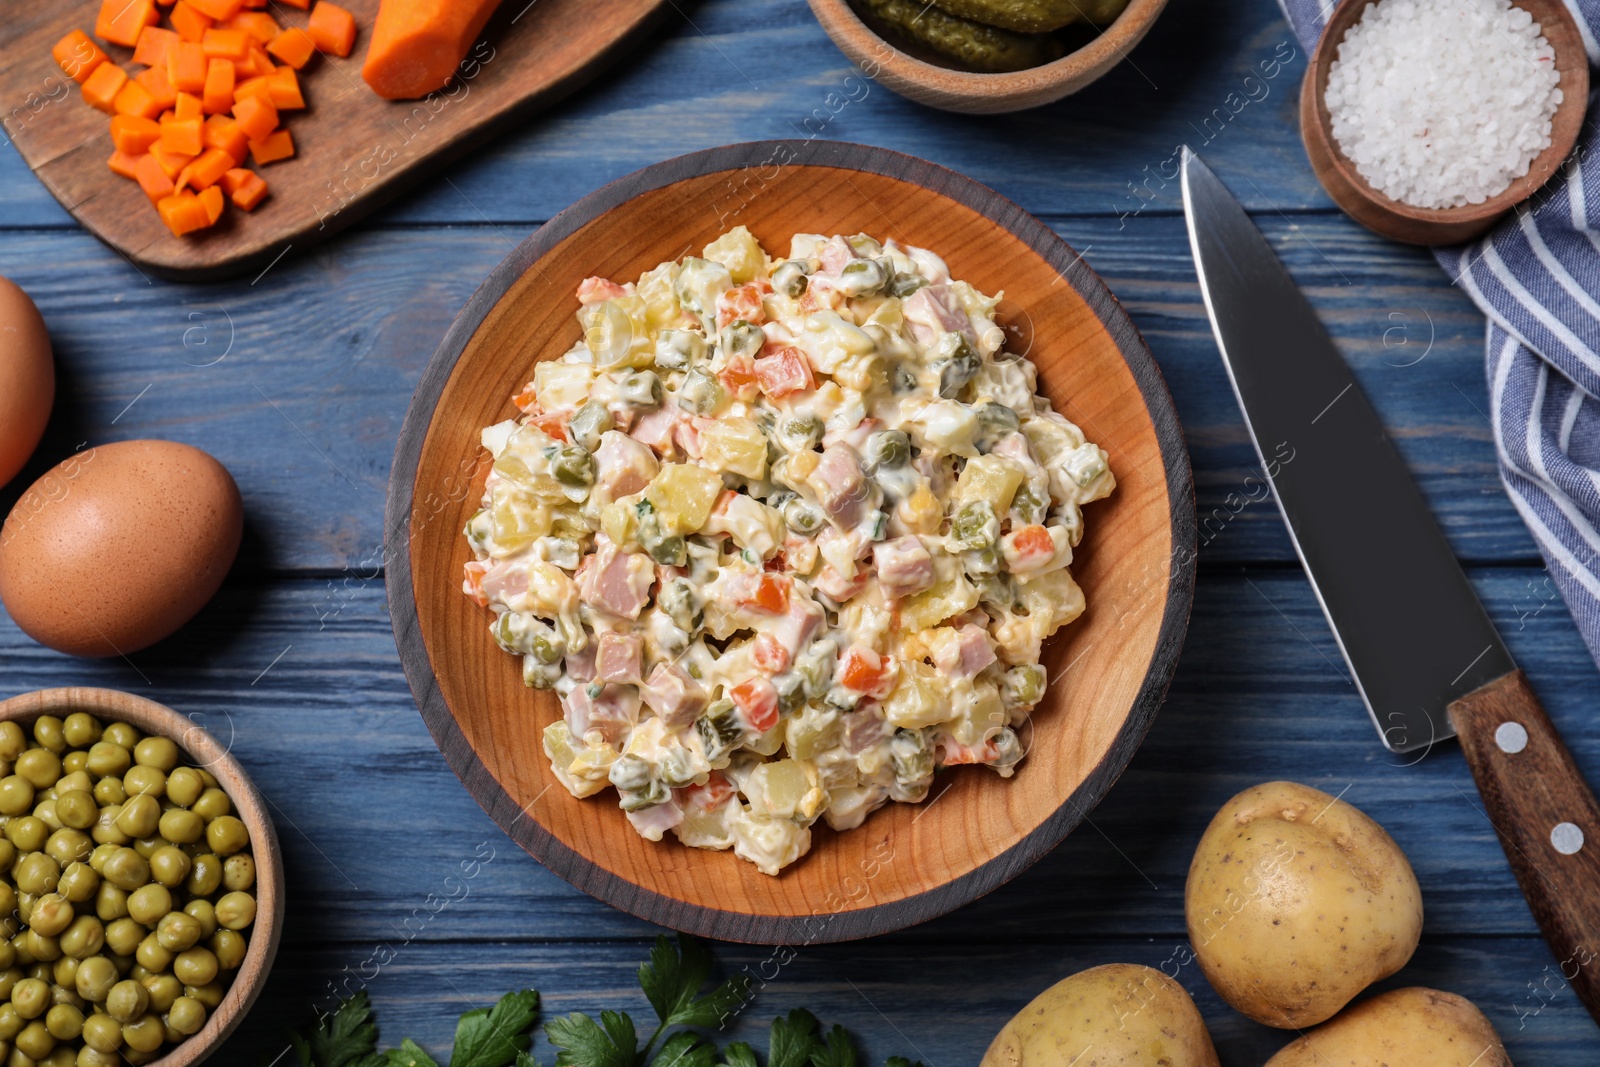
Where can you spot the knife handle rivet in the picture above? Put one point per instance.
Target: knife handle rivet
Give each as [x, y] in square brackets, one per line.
[1512, 738]
[1567, 838]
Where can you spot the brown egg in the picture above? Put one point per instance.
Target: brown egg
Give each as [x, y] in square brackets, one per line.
[118, 546]
[27, 379]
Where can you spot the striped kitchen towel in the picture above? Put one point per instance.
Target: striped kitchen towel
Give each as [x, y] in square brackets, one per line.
[1537, 278]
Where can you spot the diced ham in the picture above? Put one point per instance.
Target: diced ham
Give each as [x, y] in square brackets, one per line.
[840, 486]
[625, 465]
[784, 372]
[614, 712]
[835, 253]
[837, 587]
[738, 377]
[797, 626]
[740, 302]
[595, 290]
[769, 654]
[505, 582]
[654, 428]
[863, 728]
[580, 665]
[955, 753]
[934, 310]
[970, 652]
[675, 697]
[656, 820]
[616, 582]
[618, 658]
[904, 566]
[1015, 446]
[686, 435]
[716, 792]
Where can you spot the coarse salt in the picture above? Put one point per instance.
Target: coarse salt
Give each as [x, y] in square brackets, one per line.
[1443, 103]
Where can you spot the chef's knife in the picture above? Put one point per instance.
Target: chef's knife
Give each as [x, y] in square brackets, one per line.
[1424, 655]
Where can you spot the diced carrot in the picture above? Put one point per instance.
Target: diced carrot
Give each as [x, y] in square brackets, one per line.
[217, 10]
[301, 4]
[261, 63]
[78, 56]
[183, 213]
[189, 24]
[257, 25]
[259, 86]
[257, 4]
[134, 134]
[154, 79]
[472, 584]
[332, 29]
[211, 200]
[101, 87]
[152, 47]
[224, 44]
[244, 187]
[125, 164]
[186, 67]
[222, 132]
[862, 670]
[769, 654]
[554, 424]
[414, 48]
[206, 170]
[757, 699]
[181, 137]
[293, 46]
[121, 21]
[135, 99]
[283, 87]
[275, 146]
[172, 163]
[218, 96]
[153, 178]
[770, 592]
[256, 117]
[189, 106]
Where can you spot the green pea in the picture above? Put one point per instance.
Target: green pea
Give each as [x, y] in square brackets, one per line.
[75, 762]
[803, 518]
[126, 869]
[1024, 685]
[16, 795]
[35, 1041]
[169, 866]
[51, 914]
[64, 1022]
[145, 1034]
[806, 429]
[47, 731]
[110, 903]
[229, 947]
[122, 733]
[39, 767]
[178, 931]
[76, 808]
[152, 956]
[109, 791]
[78, 883]
[700, 392]
[789, 278]
[210, 994]
[184, 786]
[89, 1057]
[103, 1033]
[10, 1022]
[144, 780]
[67, 847]
[85, 937]
[140, 815]
[741, 338]
[81, 729]
[8, 983]
[195, 967]
[235, 911]
[27, 833]
[642, 389]
[158, 752]
[43, 948]
[205, 876]
[164, 991]
[127, 1001]
[12, 741]
[187, 1015]
[37, 873]
[148, 903]
[888, 448]
[227, 835]
[96, 975]
[31, 997]
[861, 277]
[123, 936]
[204, 913]
[106, 831]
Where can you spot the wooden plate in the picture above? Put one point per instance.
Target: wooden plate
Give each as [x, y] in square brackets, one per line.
[355, 150]
[202, 750]
[908, 862]
[1399, 221]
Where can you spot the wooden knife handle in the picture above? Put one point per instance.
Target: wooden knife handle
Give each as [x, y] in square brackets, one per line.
[1546, 817]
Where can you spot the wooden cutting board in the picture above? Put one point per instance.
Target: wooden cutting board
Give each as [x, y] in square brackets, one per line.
[354, 150]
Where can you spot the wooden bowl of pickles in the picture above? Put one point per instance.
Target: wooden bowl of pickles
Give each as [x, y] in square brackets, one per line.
[984, 57]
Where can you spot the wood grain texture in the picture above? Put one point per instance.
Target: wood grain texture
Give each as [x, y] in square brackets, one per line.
[201, 750]
[1440, 226]
[354, 150]
[1138, 576]
[1545, 815]
[952, 89]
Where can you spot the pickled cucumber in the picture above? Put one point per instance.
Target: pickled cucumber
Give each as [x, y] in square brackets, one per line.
[973, 45]
[1024, 16]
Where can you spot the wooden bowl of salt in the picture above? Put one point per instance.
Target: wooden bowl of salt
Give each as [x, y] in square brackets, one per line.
[1363, 201]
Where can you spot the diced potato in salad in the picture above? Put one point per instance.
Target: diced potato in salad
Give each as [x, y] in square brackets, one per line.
[785, 536]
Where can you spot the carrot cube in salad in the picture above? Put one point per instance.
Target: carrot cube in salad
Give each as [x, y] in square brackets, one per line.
[186, 67]
[218, 96]
[293, 46]
[78, 56]
[155, 81]
[124, 164]
[224, 44]
[222, 132]
[172, 163]
[135, 99]
[101, 87]
[258, 86]
[217, 10]
[283, 88]
[153, 179]
[332, 29]
[256, 117]
[134, 134]
[257, 25]
[206, 170]
[784, 372]
[181, 137]
[757, 701]
[189, 24]
[211, 199]
[183, 213]
[861, 670]
[275, 146]
[188, 106]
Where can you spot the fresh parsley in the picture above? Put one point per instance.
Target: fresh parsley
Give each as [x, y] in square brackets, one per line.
[674, 982]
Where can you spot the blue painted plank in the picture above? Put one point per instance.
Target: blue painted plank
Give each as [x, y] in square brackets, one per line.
[301, 678]
[938, 1004]
[745, 70]
[298, 380]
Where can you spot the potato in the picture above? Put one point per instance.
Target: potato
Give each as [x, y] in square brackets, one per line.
[1401, 1027]
[1296, 902]
[1119, 1015]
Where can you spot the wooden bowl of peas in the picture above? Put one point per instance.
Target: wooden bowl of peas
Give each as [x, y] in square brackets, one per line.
[141, 884]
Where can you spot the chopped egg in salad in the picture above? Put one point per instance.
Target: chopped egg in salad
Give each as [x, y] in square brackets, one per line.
[784, 536]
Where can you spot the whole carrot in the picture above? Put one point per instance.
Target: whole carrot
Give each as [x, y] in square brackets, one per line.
[416, 44]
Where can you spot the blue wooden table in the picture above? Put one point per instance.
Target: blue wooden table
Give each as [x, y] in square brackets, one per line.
[298, 379]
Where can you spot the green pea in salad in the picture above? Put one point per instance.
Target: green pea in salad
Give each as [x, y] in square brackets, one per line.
[784, 536]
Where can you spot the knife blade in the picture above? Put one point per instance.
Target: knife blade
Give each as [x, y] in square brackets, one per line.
[1424, 655]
